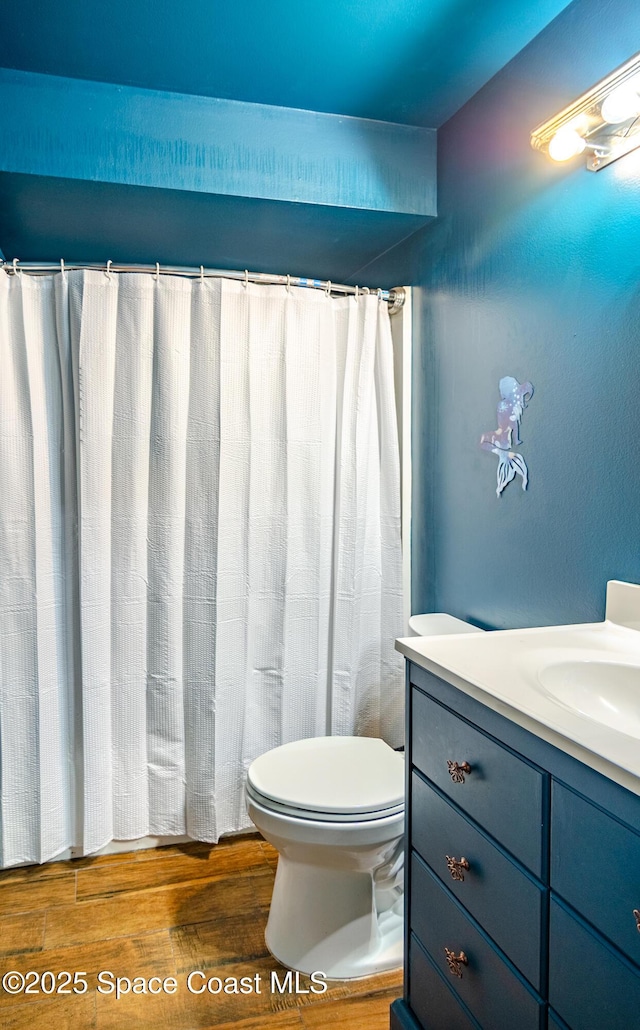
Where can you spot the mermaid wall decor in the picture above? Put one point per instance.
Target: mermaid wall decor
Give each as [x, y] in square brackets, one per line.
[514, 397]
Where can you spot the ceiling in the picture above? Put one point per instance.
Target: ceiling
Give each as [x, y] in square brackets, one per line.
[400, 62]
[409, 61]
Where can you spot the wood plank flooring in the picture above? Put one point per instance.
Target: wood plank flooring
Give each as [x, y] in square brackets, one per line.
[165, 913]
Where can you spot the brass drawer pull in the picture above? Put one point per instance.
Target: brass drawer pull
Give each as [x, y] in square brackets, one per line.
[455, 961]
[455, 867]
[636, 916]
[457, 770]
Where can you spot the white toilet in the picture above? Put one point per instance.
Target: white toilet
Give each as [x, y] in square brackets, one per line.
[333, 807]
[439, 624]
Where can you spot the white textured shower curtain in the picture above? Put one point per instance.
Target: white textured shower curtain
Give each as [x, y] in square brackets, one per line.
[199, 546]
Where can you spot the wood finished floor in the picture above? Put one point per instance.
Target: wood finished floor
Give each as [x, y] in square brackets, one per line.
[164, 913]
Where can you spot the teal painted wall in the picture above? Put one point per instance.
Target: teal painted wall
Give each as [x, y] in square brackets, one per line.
[91, 171]
[532, 270]
[97, 132]
[287, 137]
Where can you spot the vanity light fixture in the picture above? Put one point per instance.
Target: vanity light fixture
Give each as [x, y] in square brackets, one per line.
[604, 123]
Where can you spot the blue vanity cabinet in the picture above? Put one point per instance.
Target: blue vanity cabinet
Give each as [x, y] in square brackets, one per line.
[431, 995]
[496, 891]
[501, 792]
[487, 985]
[590, 984]
[595, 868]
[522, 877]
[555, 1023]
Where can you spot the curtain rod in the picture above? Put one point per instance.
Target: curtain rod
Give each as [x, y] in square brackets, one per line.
[394, 297]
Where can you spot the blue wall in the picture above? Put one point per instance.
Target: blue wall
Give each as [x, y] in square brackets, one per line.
[91, 171]
[532, 270]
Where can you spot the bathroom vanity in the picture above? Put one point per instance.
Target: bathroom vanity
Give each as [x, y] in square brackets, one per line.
[523, 831]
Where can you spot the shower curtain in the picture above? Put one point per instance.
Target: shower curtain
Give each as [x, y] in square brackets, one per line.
[199, 546]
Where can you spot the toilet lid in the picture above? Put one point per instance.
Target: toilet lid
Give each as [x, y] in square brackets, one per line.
[353, 775]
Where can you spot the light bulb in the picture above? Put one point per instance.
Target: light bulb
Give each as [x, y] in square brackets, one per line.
[565, 144]
[622, 104]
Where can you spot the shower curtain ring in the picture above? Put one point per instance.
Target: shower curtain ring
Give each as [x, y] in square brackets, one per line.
[328, 288]
[15, 267]
[357, 292]
[246, 278]
[62, 271]
[202, 275]
[157, 271]
[288, 284]
[108, 270]
[379, 295]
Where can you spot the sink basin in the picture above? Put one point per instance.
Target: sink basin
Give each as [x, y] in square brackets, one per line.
[607, 692]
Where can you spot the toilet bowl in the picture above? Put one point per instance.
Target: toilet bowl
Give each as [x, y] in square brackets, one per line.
[333, 807]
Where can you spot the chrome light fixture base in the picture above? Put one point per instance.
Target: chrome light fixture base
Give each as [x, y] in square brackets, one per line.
[603, 141]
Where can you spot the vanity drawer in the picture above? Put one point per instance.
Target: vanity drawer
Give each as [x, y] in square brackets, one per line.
[595, 866]
[506, 901]
[495, 995]
[430, 998]
[589, 984]
[502, 792]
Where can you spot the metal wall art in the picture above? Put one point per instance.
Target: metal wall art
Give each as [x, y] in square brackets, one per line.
[514, 397]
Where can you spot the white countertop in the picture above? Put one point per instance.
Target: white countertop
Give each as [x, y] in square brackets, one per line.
[502, 670]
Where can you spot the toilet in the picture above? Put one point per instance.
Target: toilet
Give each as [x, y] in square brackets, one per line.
[439, 624]
[333, 807]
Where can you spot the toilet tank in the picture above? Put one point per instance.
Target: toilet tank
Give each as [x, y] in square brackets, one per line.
[436, 623]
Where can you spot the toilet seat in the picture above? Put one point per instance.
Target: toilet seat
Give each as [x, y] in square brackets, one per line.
[321, 817]
[330, 779]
